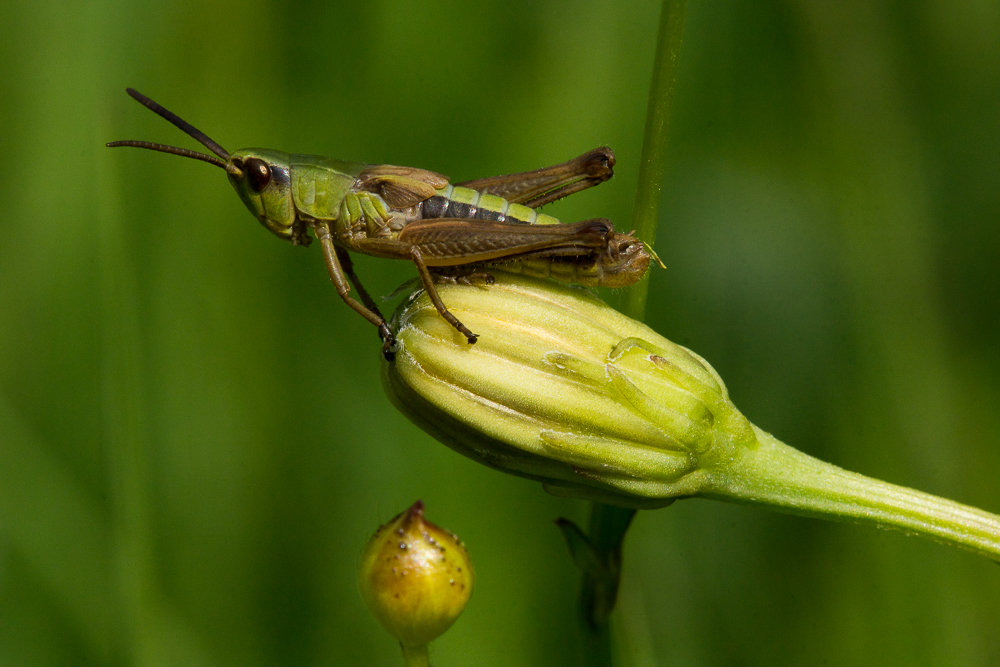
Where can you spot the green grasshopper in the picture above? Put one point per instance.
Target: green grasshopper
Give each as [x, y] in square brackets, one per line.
[452, 233]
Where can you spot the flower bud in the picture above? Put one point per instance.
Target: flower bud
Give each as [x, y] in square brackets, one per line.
[415, 577]
[562, 388]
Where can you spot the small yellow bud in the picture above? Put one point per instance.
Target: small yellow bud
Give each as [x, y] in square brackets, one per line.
[415, 577]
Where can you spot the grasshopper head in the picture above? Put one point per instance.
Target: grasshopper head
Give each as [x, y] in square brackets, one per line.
[260, 176]
[261, 179]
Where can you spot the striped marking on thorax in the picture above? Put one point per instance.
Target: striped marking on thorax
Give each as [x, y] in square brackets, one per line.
[454, 201]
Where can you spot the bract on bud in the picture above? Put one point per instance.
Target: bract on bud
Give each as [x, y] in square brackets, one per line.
[562, 388]
[415, 577]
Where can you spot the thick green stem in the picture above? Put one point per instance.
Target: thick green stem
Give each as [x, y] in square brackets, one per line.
[653, 163]
[779, 476]
[608, 525]
[599, 556]
[416, 656]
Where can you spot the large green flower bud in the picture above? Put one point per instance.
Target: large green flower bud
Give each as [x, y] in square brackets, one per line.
[564, 389]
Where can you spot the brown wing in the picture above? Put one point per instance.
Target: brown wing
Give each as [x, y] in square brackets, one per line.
[543, 186]
[401, 187]
[454, 241]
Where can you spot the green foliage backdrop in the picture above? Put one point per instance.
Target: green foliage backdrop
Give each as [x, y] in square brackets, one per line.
[194, 445]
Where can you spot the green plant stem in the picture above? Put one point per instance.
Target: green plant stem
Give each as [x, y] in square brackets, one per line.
[416, 656]
[781, 477]
[653, 163]
[599, 557]
[608, 525]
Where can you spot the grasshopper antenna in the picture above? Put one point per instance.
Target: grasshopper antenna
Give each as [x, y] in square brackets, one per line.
[187, 128]
[655, 256]
[182, 124]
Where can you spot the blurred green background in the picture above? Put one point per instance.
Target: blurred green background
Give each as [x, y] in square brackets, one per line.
[194, 444]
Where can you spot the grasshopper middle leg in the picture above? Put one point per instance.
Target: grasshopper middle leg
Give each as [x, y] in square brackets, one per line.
[428, 281]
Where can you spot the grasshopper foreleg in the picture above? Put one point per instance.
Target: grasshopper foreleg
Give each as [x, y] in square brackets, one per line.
[348, 265]
[368, 310]
[428, 281]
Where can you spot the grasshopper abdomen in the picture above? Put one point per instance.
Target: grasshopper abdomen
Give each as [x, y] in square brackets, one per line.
[453, 201]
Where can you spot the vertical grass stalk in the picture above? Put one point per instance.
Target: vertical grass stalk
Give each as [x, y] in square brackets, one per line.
[608, 524]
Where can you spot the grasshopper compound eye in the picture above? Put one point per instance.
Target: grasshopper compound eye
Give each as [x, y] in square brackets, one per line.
[258, 174]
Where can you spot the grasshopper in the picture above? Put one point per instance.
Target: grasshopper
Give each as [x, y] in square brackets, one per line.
[452, 233]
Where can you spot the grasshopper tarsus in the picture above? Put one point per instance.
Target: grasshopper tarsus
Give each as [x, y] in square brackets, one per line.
[388, 341]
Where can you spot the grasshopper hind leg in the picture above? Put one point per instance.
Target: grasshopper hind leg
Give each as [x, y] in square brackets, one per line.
[544, 186]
